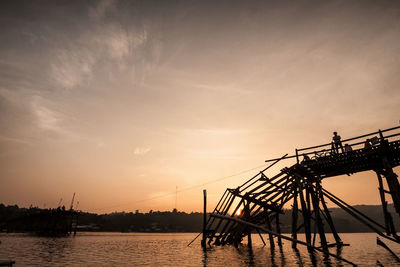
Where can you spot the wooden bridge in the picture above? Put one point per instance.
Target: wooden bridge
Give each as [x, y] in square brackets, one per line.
[257, 204]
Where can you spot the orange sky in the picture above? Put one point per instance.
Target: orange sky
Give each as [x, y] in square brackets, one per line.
[122, 101]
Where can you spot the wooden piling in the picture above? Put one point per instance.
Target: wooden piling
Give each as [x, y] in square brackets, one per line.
[249, 242]
[203, 241]
[294, 218]
[271, 237]
[394, 187]
[329, 220]
[305, 213]
[278, 229]
[318, 219]
[384, 203]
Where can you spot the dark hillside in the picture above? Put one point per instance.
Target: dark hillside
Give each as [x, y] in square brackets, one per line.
[15, 219]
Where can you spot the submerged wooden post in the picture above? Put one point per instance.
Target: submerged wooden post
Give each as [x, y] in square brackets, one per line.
[278, 229]
[294, 218]
[390, 229]
[329, 219]
[305, 213]
[249, 242]
[318, 219]
[247, 215]
[391, 177]
[271, 237]
[394, 187]
[384, 203]
[76, 223]
[203, 241]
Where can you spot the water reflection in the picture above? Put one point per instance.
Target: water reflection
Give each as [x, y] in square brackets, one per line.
[251, 257]
[298, 256]
[53, 249]
[273, 262]
[102, 249]
[339, 250]
[327, 260]
[204, 260]
[313, 258]
[283, 261]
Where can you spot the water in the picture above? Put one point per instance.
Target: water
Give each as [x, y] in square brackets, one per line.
[139, 249]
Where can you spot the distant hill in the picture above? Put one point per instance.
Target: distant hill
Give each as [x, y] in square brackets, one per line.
[13, 218]
[345, 223]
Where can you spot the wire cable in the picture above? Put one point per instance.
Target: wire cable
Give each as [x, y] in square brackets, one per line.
[185, 189]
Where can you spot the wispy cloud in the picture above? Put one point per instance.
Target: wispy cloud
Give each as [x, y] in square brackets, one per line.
[71, 67]
[83, 59]
[141, 151]
[49, 119]
[12, 139]
[215, 131]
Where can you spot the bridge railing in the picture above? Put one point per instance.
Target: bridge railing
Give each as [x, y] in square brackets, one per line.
[328, 148]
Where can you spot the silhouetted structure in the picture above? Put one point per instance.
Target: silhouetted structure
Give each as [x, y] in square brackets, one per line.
[56, 222]
[258, 203]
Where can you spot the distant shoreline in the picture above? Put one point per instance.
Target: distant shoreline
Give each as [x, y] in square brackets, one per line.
[16, 220]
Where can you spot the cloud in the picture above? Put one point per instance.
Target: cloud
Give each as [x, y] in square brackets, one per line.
[141, 151]
[70, 67]
[215, 131]
[14, 140]
[98, 12]
[49, 119]
[102, 52]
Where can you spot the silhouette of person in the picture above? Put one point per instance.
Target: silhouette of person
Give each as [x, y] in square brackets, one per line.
[374, 141]
[347, 148]
[367, 144]
[337, 142]
[305, 157]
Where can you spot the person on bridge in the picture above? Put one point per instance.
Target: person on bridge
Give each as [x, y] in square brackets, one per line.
[347, 148]
[367, 144]
[337, 142]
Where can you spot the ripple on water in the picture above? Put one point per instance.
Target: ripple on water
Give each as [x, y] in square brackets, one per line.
[138, 249]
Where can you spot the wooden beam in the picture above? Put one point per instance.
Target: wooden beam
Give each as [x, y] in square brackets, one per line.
[384, 203]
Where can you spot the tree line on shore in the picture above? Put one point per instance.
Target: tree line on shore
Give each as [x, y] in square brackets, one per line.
[16, 219]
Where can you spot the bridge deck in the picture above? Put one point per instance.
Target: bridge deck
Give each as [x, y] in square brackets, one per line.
[359, 160]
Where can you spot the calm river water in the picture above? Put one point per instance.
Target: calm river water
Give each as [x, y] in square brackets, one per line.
[139, 249]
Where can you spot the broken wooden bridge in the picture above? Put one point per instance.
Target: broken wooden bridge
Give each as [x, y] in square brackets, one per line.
[255, 206]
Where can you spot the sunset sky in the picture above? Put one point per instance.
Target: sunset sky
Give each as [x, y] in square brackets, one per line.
[122, 101]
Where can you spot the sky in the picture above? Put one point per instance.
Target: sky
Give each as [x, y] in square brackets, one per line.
[125, 102]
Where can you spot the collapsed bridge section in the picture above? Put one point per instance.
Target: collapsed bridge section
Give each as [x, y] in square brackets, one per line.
[257, 204]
